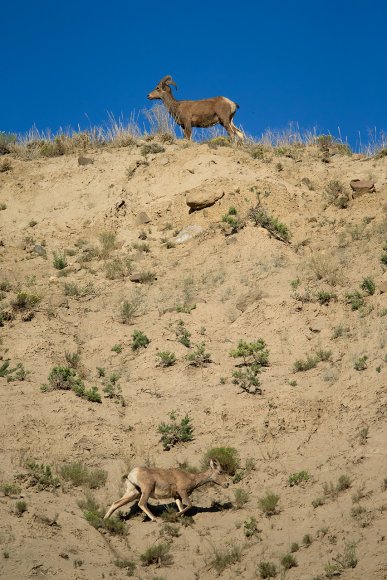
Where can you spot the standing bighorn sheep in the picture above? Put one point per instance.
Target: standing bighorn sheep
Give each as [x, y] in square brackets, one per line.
[144, 482]
[204, 113]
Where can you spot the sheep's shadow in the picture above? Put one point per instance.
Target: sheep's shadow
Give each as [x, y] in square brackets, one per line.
[159, 510]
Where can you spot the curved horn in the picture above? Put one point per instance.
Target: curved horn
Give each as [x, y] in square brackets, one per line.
[167, 80]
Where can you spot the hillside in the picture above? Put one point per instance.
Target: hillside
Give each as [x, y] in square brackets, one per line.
[90, 253]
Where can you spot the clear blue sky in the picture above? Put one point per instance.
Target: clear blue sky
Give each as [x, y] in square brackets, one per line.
[318, 63]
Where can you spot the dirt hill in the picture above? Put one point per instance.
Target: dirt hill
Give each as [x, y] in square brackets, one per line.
[90, 254]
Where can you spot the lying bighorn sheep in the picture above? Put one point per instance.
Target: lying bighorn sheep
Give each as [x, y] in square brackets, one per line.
[204, 113]
[164, 484]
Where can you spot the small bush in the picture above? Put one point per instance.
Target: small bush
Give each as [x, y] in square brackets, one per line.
[368, 285]
[241, 498]
[260, 217]
[250, 527]
[79, 474]
[143, 247]
[248, 379]
[288, 561]
[232, 220]
[66, 378]
[355, 299]
[158, 554]
[297, 478]
[323, 355]
[167, 359]
[25, 300]
[9, 489]
[108, 243]
[117, 348]
[173, 433]
[40, 475]
[139, 340]
[130, 308]
[223, 558]
[336, 194]
[94, 515]
[59, 261]
[252, 352]
[128, 565]
[344, 482]
[307, 540]
[199, 357]
[228, 458]
[151, 148]
[117, 268]
[360, 363]
[267, 570]
[304, 365]
[182, 334]
[318, 502]
[269, 504]
[21, 507]
[294, 547]
[326, 297]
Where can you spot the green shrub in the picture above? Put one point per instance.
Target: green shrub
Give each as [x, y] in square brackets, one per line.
[241, 498]
[228, 458]
[304, 365]
[173, 433]
[130, 308]
[94, 513]
[248, 379]
[9, 489]
[323, 355]
[151, 148]
[79, 474]
[21, 507]
[336, 194]
[158, 554]
[40, 475]
[267, 570]
[66, 378]
[139, 340]
[128, 565]
[108, 243]
[25, 300]
[360, 363]
[252, 352]
[307, 540]
[355, 299]
[199, 357]
[182, 334]
[59, 261]
[250, 527]
[269, 504]
[325, 297]
[260, 217]
[117, 268]
[221, 559]
[232, 220]
[288, 561]
[297, 478]
[368, 285]
[294, 547]
[167, 359]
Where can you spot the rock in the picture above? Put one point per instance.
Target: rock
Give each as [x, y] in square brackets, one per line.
[246, 300]
[38, 249]
[317, 325]
[199, 199]
[188, 233]
[142, 218]
[85, 160]
[383, 283]
[360, 186]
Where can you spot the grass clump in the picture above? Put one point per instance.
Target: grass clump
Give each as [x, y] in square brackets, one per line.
[182, 334]
[130, 308]
[174, 432]
[108, 241]
[231, 219]
[228, 458]
[269, 504]
[260, 217]
[241, 498]
[18, 373]
[80, 475]
[118, 268]
[250, 527]
[288, 561]
[360, 363]
[355, 299]
[302, 365]
[167, 359]
[267, 570]
[94, 513]
[326, 297]
[59, 261]
[41, 476]
[25, 300]
[336, 194]
[158, 554]
[330, 490]
[297, 478]
[139, 340]
[66, 378]
[221, 559]
[21, 507]
[199, 357]
[151, 148]
[128, 565]
[9, 489]
[368, 285]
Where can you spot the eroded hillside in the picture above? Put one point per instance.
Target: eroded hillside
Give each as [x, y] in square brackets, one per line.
[89, 254]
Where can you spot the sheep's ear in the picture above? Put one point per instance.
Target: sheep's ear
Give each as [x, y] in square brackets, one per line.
[214, 464]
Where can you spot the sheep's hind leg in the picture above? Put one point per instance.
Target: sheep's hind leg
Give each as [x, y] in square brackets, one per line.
[129, 496]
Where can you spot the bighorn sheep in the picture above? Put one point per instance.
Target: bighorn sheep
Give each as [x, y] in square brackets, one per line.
[204, 113]
[145, 482]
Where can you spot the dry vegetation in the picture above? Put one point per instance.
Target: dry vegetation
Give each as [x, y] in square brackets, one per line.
[261, 342]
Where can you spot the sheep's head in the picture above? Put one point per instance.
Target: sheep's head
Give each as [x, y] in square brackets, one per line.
[162, 88]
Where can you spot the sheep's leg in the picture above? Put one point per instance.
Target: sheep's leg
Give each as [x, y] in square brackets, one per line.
[187, 132]
[184, 500]
[237, 132]
[129, 496]
[144, 506]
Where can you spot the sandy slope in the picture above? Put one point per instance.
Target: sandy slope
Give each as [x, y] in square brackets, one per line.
[241, 285]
